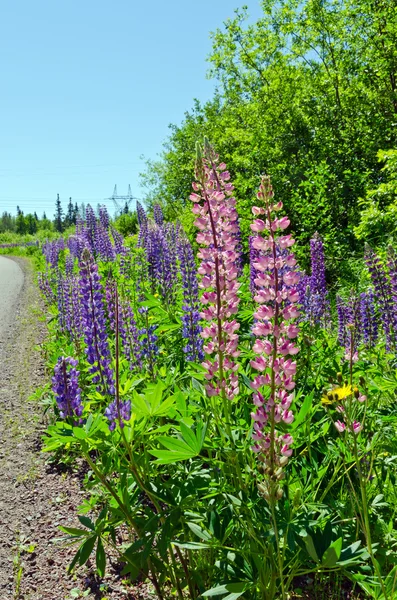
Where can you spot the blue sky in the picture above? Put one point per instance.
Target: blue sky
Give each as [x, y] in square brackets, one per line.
[88, 87]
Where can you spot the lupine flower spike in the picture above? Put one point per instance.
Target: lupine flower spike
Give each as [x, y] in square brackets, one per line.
[65, 385]
[217, 220]
[277, 296]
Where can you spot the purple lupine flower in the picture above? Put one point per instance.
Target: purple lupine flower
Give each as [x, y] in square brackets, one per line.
[118, 239]
[148, 341]
[342, 322]
[94, 323]
[104, 217]
[318, 285]
[89, 229]
[103, 244]
[51, 252]
[69, 265]
[349, 325]
[46, 288]
[392, 265]
[65, 385]
[277, 296]
[76, 244]
[114, 416]
[62, 310]
[191, 318]
[143, 224]
[369, 321]
[129, 336]
[158, 215]
[160, 246]
[382, 294]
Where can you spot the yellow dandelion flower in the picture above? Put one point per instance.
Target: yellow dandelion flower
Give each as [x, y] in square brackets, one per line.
[337, 394]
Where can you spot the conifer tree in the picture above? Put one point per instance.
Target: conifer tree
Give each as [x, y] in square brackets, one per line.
[58, 221]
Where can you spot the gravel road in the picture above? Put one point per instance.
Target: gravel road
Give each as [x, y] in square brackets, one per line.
[11, 282]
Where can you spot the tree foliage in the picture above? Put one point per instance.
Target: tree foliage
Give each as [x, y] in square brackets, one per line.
[306, 94]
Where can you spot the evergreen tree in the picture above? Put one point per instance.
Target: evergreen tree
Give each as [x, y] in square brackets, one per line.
[44, 217]
[70, 220]
[31, 224]
[36, 218]
[58, 220]
[21, 226]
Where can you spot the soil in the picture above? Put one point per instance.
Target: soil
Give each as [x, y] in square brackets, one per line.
[36, 497]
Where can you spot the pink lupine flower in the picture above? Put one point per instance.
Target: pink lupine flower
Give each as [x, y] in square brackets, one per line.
[357, 427]
[276, 295]
[217, 221]
[340, 426]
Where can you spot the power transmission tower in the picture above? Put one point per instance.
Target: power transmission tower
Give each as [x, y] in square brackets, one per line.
[121, 203]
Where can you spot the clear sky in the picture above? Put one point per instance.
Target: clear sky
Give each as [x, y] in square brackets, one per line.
[90, 86]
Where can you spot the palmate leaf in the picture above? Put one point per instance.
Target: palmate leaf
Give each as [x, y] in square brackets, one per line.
[180, 449]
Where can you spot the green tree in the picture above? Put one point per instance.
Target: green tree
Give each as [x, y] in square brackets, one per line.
[20, 224]
[308, 95]
[58, 220]
[31, 224]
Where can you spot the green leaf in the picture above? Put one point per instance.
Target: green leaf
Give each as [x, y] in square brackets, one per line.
[79, 433]
[306, 406]
[332, 553]
[86, 549]
[86, 521]
[100, 558]
[197, 530]
[311, 548]
[165, 457]
[237, 590]
[192, 545]
[74, 531]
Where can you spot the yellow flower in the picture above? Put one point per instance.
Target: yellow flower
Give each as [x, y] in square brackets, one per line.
[337, 394]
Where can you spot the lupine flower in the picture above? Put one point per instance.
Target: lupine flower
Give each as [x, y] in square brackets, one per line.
[277, 296]
[103, 244]
[158, 215]
[217, 221]
[114, 416]
[130, 336]
[392, 264]
[65, 385]
[253, 257]
[191, 318]
[62, 311]
[51, 251]
[340, 426]
[383, 294]
[349, 325]
[46, 288]
[127, 326]
[318, 285]
[104, 217]
[342, 322]
[119, 247]
[94, 322]
[148, 341]
[369, 322]
[143, 224]
[76, 244]
[89, 229]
